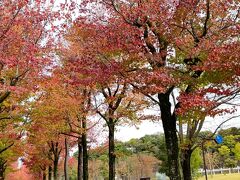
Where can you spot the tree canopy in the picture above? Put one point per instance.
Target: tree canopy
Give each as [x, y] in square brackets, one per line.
[71, 70]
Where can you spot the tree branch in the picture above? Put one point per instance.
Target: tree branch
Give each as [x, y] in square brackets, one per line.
[219, 126]
[6, 148]
[120, 97]
[102, 115]
[69, 135]
[145, 94]
[205, 27]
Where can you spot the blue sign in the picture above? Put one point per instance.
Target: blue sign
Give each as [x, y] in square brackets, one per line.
[219, 139]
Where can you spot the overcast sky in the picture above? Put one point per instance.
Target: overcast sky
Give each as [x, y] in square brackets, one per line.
[125, 133]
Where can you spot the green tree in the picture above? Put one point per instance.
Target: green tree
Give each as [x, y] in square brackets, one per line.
[230, 131]
[236, 151]
[224, 152]
[230, 162]
[151, 144]
[196, 161]
[229, 141]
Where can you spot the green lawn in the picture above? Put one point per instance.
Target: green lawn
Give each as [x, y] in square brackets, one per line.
[222, 177]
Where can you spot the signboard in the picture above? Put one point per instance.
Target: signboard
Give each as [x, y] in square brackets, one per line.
[218, 139]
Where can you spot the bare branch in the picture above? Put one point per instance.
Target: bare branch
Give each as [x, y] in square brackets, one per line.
[104, 93]
[93, 125]
[109, 91]
[116, 91]
[120, 97]
[219, 126]
[6, 148]
[145, 94]
[205, 27]
[104, 117]
[70, 135]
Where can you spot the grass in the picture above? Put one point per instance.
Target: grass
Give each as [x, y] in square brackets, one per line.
[234, 176]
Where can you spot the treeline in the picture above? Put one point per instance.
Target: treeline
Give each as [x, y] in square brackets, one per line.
[146, 156]
[227, 154]
[136, 158]
[66, 69]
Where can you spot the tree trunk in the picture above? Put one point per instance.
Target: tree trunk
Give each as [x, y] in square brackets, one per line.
[44, 175]
[79, 168]
[66, 160]
[56, 150]
[171, 139]
[85, 151]
[186, 164]
[1, 174]
[50, 173]
[3, 167]
[111, 150]
[55, 169]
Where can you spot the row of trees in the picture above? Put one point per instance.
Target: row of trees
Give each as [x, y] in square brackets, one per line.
[24, 53]
[130, 163]
[146, 156]
[225, 154]
[179, 57]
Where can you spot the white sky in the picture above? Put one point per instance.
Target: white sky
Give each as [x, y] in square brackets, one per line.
[146, 127]
[125, 133]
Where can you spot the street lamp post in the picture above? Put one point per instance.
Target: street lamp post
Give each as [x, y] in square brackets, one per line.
[219, 140]
[204, 161]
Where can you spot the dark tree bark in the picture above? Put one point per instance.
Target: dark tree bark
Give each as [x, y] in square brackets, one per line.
[44, 175]
[55, 150]
[111, 150]
[6, 148]
[111, 122]
[79, 168]
[55, 169]
[186, 164]
[66, 160]
[50, 173]
[85, 151]
[3, 167]
[171, 139]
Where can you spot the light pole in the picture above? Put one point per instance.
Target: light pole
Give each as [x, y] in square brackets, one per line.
[219, 140]
[204, 161]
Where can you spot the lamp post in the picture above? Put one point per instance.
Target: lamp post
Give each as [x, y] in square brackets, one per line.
[204, 161]
[219, 140]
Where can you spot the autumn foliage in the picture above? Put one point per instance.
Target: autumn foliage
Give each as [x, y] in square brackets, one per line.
[65, 67]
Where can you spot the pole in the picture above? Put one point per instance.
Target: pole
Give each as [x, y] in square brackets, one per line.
[204, 161]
